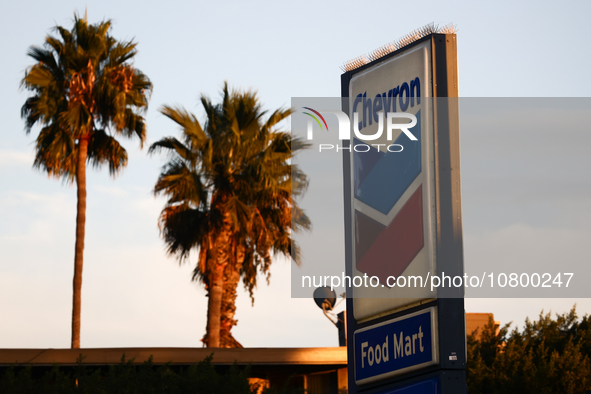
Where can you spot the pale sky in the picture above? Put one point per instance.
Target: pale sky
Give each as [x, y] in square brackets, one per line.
[133, 294]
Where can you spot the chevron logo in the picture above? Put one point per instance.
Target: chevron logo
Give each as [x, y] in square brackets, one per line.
[387, 242]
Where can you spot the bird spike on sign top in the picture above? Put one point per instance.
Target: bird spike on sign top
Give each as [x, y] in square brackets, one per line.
[408, 39]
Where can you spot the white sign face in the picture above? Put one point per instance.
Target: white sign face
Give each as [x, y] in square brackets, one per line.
[393, 209]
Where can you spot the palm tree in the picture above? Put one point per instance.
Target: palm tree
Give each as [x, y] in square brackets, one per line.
[85, 92]
[229, 189]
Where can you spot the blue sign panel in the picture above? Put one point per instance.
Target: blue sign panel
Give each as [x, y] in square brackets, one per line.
[395, 346]
[381, 178]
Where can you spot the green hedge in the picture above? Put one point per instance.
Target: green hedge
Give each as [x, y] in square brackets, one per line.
[127, 378]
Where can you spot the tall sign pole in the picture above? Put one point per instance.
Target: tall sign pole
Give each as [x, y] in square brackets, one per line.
[403, 220]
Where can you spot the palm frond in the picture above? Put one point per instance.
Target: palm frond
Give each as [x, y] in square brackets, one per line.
[56, 152]
[189, 124]
[104, 149]
[183, 229]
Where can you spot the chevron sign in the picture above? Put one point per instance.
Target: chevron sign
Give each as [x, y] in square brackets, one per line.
[403, 222]
[392, 191]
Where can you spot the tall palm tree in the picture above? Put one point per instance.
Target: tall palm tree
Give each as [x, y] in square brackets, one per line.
[85, 91]
[229, 189]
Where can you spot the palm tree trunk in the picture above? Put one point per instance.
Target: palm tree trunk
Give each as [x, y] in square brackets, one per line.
[222, 257]
[79, 250]
[228, 307]
[214, 304]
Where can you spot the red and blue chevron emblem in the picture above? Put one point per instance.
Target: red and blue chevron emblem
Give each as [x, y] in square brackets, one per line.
[387, 242]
